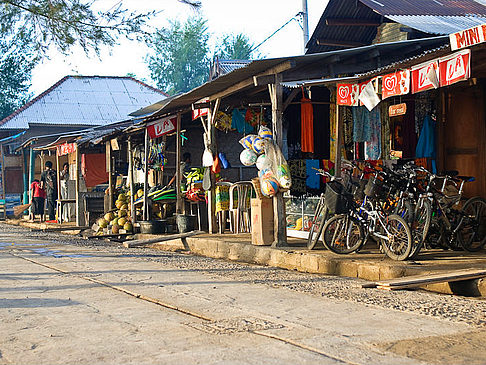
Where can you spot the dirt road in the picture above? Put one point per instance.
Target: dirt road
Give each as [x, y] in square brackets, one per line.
[64, 301]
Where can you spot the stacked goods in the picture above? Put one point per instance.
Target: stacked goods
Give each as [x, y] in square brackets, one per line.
[273, 170]
[194, 180]
[117, 221]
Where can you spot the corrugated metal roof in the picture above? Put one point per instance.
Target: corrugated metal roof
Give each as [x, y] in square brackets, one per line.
[84, 100]
[438, 24]
[426, 7]
[300, 64]
[429, 17]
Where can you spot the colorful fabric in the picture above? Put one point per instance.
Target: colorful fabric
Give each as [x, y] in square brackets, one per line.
[222, 198]
[298, 173]
[223, 121]
[253, 117]
[361, 124]
[386, 132]
[307, 121]
[238, 122]
[328, 166]
[332, 127]
[373, 145]
[312, 180]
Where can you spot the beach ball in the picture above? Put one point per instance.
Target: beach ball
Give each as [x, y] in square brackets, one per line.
[262, 162]
[258, 145]
[269, 186]
[265, 133]
[262, 172]
[285, 182]
[247, 141]
[248, 157]
[283, 170]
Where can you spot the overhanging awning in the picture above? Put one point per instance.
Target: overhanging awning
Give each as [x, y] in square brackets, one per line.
[317, 82]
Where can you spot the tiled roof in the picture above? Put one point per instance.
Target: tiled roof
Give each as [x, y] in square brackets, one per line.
[84, 100]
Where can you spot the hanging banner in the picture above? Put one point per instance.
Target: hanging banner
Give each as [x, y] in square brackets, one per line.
[468, 37]
[197, 113]
[66, 149]
[425, 76]
[347, 94]
[161, 127]
[368, 95]
[395, 84]
[455, 68]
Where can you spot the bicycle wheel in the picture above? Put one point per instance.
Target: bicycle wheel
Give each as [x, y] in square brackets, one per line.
[472, 233]
[317, 224]
[420, 226]
[343, 234]
[398, 244]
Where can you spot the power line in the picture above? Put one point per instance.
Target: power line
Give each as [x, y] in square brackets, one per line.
[279, 29]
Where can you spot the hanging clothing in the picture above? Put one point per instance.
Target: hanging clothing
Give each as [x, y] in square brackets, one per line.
[238, 122]
[373, 145]
[361, 124]
[426, 141]
[312, 180]
[386, 132]
[307, 121]
[408, 131]
[298, 172]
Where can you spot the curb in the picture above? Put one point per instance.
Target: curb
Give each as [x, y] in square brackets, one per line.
[315, 263]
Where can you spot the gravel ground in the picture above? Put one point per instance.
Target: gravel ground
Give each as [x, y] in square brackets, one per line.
[447, 307]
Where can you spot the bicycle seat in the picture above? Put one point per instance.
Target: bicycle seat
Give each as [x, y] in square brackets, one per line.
[451, 173]
[466, 178]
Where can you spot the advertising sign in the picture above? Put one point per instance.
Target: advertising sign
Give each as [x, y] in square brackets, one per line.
[347, 94]
[66, 148]
[425, 76]
[468, 37]
[395, 84]
[161, 127]
[455, 68]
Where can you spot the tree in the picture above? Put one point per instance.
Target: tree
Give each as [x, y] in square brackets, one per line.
[180, 61]
[17, 60]
[236, 47]
[65, 23]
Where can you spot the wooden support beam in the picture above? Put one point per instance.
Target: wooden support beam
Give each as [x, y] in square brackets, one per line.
[109, 169]
[263, 80]
[339, 133]
[146, 215]
[79, 208]
[338, 43]
[213, 227]
[179, 201]
[350, 22]
[202, 105]
[289, 99]
[249, 82]
[279, 218]
[131, 180]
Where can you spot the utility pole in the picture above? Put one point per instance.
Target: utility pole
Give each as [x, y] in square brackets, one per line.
[305, 24]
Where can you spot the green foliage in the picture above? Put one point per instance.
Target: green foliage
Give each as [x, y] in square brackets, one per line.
[235, 47]
[66, 23]
[17, 60]
[180, 61]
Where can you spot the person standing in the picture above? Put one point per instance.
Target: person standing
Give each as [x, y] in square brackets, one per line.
[38, 199]
[49, 184]
[64, 178]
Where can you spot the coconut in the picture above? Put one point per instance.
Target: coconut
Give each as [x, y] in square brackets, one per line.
[128, 227]
[103, 223]
[118, 204]
[115, 229]
[122, 212]
[122, 221]
[124, 206]
[122, 197]
[109, 216]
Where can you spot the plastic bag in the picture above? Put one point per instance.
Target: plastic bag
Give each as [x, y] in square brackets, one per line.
[207, 158]
[276, 174]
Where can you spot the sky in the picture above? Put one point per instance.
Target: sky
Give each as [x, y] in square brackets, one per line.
[257, 19]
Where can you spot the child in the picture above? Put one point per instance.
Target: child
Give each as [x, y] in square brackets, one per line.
[38, 198]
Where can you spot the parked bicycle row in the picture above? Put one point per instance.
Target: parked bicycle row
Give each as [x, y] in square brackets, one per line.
[404, 209]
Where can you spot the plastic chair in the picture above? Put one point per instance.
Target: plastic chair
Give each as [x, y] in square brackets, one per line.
[240, 211]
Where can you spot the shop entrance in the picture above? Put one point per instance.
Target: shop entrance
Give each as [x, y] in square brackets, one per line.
[464, 136]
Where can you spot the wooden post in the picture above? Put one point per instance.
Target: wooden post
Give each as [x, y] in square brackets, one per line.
[131, 180]
[109, 169]
[3, 171]
[280, 218]
[179, 201]
[79, 209]
[146, 215]
[212, 222]
[339, 144]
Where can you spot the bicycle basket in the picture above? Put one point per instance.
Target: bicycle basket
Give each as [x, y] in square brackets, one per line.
[373, 188]
[335, 199]
[358, 189]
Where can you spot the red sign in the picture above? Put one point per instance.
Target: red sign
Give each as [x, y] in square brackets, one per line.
[66, 148]
[162, 127]
[397, 83]
[468, 37]
[455, 68]
[196, 113]
[347, 94]
[425, 76]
